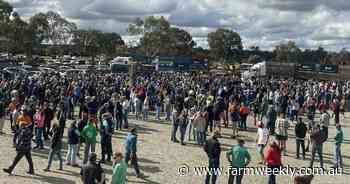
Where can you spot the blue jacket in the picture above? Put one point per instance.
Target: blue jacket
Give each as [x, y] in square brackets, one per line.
[130, 143]
[73, 136]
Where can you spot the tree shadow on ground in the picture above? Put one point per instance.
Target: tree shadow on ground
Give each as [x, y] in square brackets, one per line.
[48, 179]
[145, 160]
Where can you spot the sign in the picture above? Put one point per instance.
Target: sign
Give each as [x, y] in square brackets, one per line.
[306, 67]
[328, 68]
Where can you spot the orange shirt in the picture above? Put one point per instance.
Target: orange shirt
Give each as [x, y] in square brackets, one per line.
[244, 110]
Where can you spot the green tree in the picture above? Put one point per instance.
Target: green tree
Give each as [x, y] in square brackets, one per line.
[108, 42]
[225, 45]
[5, 14]
[86, 42]
[289, 52]
[15, 36]
[158, 37]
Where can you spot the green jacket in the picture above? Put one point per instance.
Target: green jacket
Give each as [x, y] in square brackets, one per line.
[89, 133]
[238, 155]
[119, 173]
[339, 137]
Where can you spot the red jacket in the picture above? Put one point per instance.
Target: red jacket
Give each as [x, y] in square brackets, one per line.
[273, 156]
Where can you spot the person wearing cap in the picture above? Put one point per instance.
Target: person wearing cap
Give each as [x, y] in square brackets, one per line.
[119, 169]
[213, 150]
[239, 157]
[23, 148]
[92, 172]
[131, 149]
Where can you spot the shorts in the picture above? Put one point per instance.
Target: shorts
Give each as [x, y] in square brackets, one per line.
[281, 138]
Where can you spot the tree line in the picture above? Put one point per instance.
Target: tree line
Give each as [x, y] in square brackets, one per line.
[51, 34]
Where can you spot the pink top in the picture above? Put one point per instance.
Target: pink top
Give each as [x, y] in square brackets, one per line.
[39, 119]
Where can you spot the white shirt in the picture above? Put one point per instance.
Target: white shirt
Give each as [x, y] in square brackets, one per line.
[263, 135]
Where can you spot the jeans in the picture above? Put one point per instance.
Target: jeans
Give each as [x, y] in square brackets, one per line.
[157, 112]
[118, 122]
[106, 147]
[191, 130]
[39, 137]
[338, 159]
[19, 156]
[145, 114]
[272, 177]
[15, 135]
[243, 123]
[214, 163]
[125, 119]
[316, 148]
[47, 127]
[167, 112]
[52, 153]
[201, 137]
[300, 143]
[72, 154]
[134, 162]
[89, 148]
[174, 128]
[183, 128]
[234, 172]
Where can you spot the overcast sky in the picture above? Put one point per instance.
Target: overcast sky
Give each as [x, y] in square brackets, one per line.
[265, 23]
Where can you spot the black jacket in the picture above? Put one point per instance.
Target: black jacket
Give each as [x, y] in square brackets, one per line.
[300, 130]
[24, 141]
[212, 148]
[57, 134]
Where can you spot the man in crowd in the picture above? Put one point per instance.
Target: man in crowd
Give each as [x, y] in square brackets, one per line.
[213, 149]
[131, 149]
[338, 160]
[92, 172]
[23, 148]
[89, 134]
[239, 158]
[300, 133]
[119, 169]
[318, 137]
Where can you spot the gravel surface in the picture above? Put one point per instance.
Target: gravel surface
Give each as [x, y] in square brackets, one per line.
[160, 160]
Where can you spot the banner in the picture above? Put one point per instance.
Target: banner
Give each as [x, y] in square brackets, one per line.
[306, 67]
[328, 68]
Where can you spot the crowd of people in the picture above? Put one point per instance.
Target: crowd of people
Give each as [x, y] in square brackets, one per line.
[197, 105]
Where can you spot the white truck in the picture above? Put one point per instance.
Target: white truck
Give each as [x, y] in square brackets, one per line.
[257, 70]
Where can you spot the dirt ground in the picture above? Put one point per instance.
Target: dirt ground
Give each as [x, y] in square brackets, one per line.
[160, 160]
